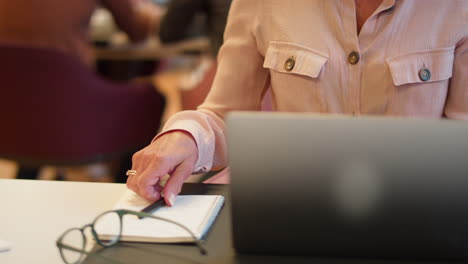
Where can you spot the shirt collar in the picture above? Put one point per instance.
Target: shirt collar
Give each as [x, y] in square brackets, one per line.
[387, 5]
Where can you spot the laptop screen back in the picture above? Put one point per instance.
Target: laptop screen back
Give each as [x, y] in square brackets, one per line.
[340, 186]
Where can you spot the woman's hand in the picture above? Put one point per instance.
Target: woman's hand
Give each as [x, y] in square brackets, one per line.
[174, 153]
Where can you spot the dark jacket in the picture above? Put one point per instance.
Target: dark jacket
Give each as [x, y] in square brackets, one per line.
[181, 14]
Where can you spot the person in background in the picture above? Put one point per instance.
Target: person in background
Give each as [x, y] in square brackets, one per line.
[178, 21]
[362, 57]
[64, 25]
[183, 20]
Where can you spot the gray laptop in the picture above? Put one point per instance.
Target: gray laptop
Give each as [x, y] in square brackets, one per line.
[348, 187]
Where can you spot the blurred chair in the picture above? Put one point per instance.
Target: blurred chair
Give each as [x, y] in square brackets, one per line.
[55, 111]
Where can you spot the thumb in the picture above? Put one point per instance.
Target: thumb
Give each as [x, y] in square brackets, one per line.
[174, 183]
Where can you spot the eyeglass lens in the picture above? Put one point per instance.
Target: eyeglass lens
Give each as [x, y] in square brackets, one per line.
[108, 227]
[73, 238]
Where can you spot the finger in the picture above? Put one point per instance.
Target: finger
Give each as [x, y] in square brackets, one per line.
[157, 192]
[137, 159]
[132, 181]
[147, 193]
[174, 183]
[146, 185]
[146, 177]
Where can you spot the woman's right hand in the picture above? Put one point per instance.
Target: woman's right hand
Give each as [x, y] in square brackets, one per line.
[174, 153]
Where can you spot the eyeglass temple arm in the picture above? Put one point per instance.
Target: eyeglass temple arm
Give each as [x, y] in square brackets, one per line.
[143, 214]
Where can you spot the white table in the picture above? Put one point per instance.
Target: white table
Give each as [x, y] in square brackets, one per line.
[35, 213]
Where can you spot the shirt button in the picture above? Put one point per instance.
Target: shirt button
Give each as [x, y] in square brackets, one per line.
[289, 64]
[354, 57]
[424, 74]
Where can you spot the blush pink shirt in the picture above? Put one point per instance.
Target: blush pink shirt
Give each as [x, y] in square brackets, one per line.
[399, 40]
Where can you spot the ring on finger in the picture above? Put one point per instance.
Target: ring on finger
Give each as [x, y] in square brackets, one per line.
[131, 173]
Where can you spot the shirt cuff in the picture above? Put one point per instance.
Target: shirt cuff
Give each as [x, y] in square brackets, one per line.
[205, 149]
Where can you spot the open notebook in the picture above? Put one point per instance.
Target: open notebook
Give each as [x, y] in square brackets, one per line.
[196, 212]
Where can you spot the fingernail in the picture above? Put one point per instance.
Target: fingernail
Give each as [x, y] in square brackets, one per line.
[170, 198]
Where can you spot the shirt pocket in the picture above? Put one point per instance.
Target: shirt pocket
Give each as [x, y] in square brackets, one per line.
[422, 66]
[295, 76]
[420, 81]
[307, 62]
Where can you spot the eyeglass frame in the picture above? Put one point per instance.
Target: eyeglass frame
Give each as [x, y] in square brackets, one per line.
[113, 242]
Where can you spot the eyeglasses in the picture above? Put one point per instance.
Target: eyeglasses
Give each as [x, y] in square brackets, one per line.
[72, 243]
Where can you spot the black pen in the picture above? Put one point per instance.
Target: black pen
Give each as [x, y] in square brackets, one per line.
[154, 206]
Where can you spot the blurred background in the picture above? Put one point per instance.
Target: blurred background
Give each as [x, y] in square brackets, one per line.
[87, 83]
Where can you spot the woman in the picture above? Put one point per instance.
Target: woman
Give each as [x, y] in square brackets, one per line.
[362, 57]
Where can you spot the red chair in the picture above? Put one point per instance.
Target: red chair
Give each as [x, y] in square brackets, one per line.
[55, 111]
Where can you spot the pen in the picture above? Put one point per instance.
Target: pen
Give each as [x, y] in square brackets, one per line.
[154, 206]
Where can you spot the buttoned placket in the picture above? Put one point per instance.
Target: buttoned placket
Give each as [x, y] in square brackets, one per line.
[352, 49]
[360, 44]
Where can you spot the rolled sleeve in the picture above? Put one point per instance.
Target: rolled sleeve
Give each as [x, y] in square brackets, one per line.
[240, 84]
[201, 127]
